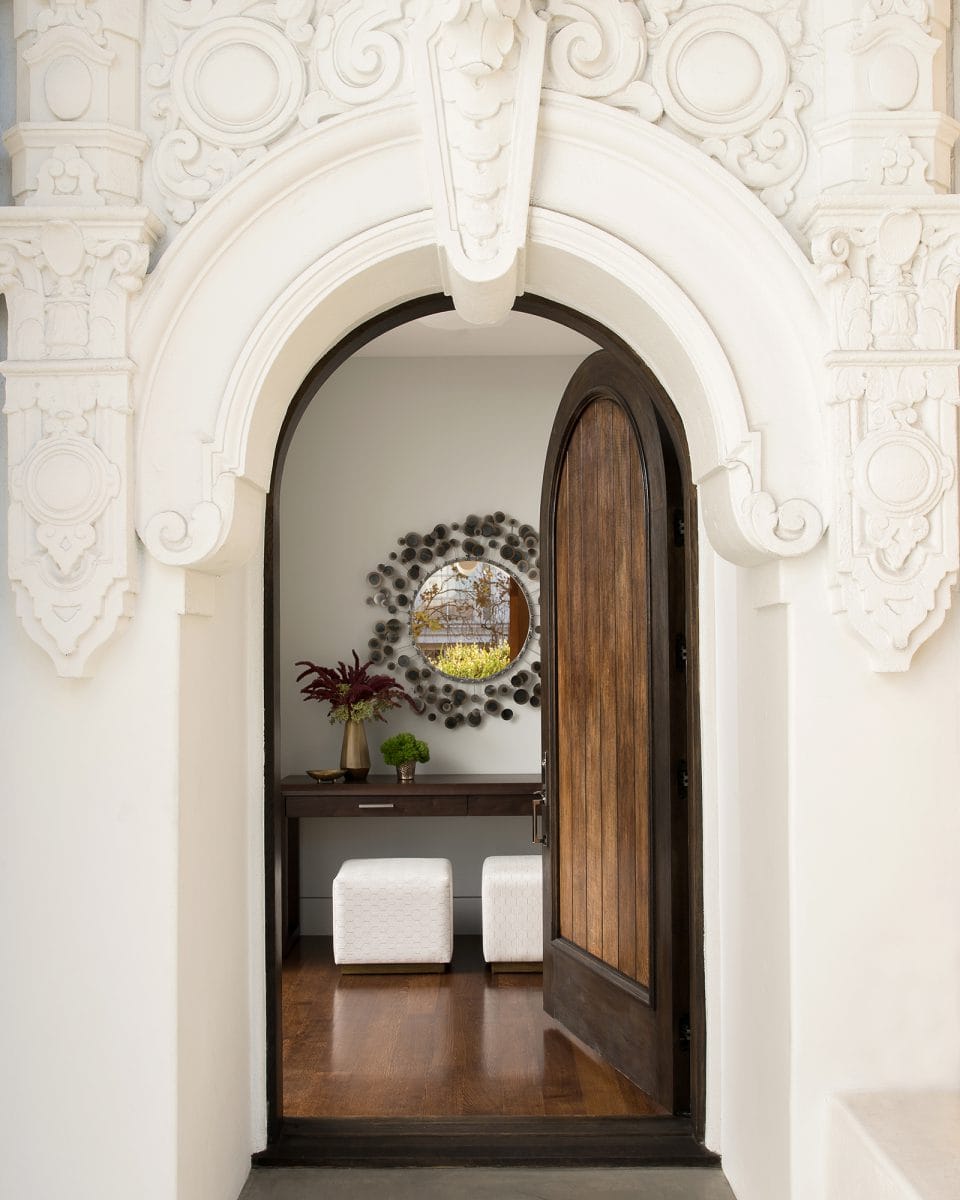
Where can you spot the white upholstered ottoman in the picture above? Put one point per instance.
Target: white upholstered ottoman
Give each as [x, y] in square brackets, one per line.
[393, 914]
[511, 899]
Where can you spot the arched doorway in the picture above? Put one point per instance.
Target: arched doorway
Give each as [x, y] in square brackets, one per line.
[642, 256]
[675, 1138]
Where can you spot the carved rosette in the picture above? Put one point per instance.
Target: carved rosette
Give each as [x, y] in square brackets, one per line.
[69, 418]
[891, 280]
[729, 77]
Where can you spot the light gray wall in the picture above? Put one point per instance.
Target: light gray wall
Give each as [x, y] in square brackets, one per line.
[449, 436]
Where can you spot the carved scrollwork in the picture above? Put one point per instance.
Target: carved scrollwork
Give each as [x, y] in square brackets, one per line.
[788, 529]
[598, 49]
[358, 56]
[901, 165]
[916, 10]
[78, 14]
[723, 75]
[67, 179]
[659, 13]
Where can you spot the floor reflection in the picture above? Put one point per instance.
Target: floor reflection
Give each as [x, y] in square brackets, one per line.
[466, 1042]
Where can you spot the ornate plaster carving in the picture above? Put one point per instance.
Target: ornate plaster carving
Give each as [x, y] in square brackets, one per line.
[892, 280]
[78, 87]
[227, 85]
[479, 68]
[69, 413]
[66, 179]
[885, 123]
[725, 76]
[80, 14]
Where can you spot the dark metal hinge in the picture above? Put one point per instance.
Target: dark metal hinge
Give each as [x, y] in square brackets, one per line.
[683, 779]
[679, 527]
[685, 1030]
[680, 652]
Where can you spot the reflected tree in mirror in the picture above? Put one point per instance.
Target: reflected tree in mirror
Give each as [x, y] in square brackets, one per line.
[470, 619]
[461, 623]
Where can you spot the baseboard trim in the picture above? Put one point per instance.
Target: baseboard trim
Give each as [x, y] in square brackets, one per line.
[486, 1142]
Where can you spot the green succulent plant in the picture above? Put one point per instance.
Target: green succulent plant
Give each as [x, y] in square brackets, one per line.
[403, 748]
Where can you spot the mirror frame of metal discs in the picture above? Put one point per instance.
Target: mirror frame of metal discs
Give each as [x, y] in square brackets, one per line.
[496, 538]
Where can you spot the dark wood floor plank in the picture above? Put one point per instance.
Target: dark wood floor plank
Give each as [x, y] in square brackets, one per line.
[467, 1043]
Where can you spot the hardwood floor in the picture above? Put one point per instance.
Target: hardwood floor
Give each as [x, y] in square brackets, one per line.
[466, 1043]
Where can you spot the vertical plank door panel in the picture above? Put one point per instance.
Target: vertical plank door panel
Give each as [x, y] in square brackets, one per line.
[608, 973]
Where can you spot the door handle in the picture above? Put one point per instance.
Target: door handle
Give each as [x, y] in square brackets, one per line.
[537, 811]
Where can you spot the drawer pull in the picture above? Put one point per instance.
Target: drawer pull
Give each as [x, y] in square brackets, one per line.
[375, 806]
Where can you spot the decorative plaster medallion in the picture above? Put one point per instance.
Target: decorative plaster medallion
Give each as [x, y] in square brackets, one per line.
[894, 76]
[721, 71]
[67, 480]
[238, 82]
[68, 87]
[899, 473]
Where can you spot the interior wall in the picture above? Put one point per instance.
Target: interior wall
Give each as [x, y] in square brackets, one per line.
[387, 446]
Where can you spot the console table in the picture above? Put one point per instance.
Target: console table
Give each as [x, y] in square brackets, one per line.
[381, 796]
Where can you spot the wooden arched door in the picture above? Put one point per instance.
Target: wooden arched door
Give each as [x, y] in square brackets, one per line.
[613, 617]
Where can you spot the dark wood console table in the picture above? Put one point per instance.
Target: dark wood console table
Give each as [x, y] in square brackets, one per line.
[382, 796]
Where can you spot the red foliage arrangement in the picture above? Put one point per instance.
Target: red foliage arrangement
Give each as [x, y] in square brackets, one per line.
[352, 693]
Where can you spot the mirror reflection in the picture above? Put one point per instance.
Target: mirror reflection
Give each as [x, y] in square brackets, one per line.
[470, 619]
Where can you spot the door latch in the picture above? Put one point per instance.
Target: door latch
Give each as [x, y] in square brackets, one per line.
[537, 812]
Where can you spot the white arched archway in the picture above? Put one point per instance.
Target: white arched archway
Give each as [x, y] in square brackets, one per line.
[662, 247]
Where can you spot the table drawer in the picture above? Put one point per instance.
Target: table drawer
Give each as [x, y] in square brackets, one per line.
[376, 806]
[499, 806]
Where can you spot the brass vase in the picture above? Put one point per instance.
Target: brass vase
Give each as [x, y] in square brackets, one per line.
[406, 771]
[355, 753]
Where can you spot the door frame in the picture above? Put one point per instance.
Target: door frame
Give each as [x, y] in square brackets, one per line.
[474, 1141]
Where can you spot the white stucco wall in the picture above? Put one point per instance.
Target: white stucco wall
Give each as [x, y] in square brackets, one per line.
[88, 914]
[220, 909]
[875, 890]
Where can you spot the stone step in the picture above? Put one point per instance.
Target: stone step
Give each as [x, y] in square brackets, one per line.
[894, 1146]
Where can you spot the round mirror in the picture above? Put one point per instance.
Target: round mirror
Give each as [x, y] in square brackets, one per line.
[460, 621]
[470, 619]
